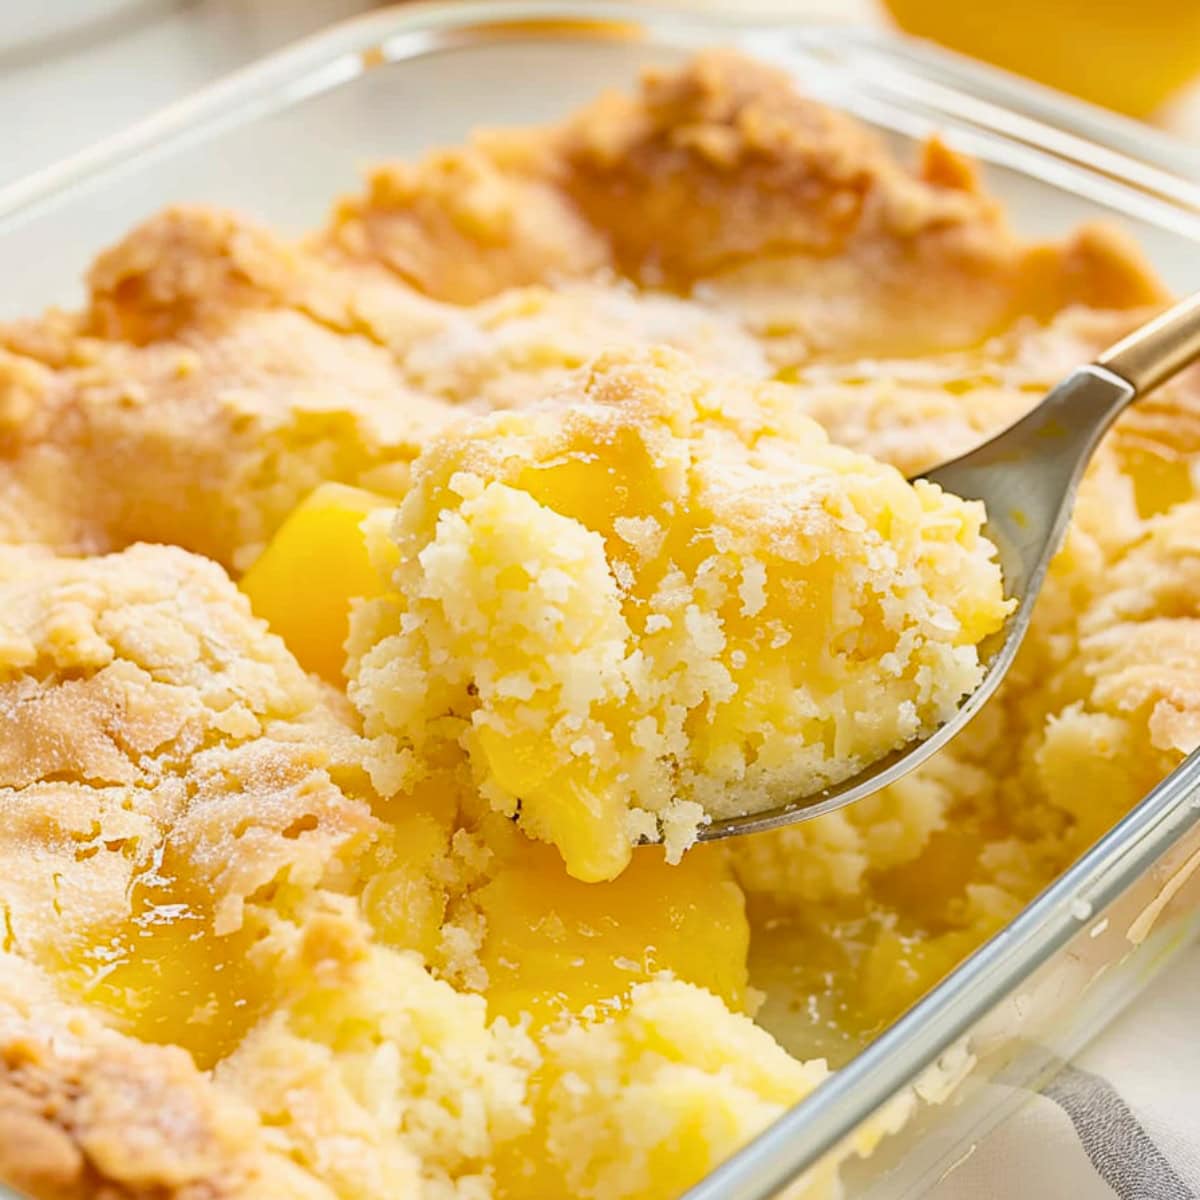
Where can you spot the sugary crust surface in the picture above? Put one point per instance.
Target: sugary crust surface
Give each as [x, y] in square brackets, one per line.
[147, 712]
[790, 213]
[196, 401]
[220, 370]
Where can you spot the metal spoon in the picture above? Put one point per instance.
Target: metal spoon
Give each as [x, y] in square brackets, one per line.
[1027, 477]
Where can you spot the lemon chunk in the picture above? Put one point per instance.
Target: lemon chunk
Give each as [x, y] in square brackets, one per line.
[557, 946]
[316, 564]
[664, 599]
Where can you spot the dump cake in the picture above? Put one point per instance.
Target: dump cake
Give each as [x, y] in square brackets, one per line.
[559, 477]
[668, 597]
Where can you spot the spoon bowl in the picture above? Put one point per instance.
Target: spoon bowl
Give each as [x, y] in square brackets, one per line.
[1027, 477]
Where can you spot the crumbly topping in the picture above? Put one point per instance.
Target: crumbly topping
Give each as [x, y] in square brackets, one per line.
[790, 215]
[219, 372]
[146, 714]
[672, 1042]
[206, 439]
[520, 628]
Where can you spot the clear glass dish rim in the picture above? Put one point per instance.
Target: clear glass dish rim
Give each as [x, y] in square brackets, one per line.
[1034, 124]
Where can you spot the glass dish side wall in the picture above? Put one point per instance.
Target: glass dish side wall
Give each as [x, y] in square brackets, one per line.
[1005, 1020]
[1032, 1031]
[280, 139]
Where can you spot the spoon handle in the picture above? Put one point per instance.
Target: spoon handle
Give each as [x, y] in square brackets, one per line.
[1159, 349]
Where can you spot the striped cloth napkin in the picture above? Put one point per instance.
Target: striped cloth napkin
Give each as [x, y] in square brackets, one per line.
[1122, 1120]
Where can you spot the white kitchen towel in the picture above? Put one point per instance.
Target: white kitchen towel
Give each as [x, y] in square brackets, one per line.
[1122, 1120]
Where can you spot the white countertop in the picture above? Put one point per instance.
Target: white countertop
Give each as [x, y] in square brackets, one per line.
[71, 90]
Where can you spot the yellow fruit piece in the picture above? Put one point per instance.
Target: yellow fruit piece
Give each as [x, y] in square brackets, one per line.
[315, 565]
[585, 822]
[1130, 57]
[555, 945]
[1159, 483]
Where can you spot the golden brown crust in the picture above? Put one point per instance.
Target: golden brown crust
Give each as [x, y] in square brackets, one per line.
[87, 1114]
[461, 226]
[726, 161]
[207, 407]
[701, 169]
[188, 266]
[722, 177]
[218, 375]
[733, 174]
[147, 714]
[220, 372]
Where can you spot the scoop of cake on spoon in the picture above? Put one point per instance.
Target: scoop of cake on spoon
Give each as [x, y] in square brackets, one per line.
[1026, 478]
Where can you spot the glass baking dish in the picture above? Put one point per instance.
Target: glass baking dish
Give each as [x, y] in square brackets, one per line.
[280, 138]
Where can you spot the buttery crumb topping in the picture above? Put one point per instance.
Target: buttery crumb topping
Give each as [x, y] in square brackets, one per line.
[663, 598]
